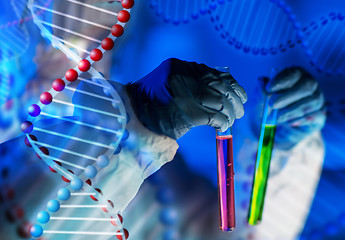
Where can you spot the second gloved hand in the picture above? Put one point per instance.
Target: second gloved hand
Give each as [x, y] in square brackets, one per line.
[179, 95]
[300, 103]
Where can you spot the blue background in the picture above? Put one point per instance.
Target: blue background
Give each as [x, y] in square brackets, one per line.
[152, 38]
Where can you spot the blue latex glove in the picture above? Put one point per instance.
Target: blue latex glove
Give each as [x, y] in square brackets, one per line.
[297, 96]
[179, 95]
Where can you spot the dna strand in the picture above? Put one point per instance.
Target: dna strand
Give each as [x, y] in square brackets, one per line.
[326, 54]
[23, 183]
[71, 207]
[9, 121]
[10, 210]
[14, 37]
[181, 11]
[259, 27]
[264, 27]
[157, 201]
[16, 194]
[85, 122]
[25, 17]
[6, 80]
[86, 29]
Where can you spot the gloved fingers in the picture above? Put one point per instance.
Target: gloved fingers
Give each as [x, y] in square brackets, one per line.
[239, 91]
[226, 84]
[218, 102]
[287, 136]
[284, 80]
[236, 103]
[307, 129]
[226, 77]
[229, 104]
[201, 115]
[219, 121]
[301, 108]
[315, 118]
[302, 89]
[229, 79]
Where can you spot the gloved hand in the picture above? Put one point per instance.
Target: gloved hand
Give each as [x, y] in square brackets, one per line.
[179, 95]
[300, 103]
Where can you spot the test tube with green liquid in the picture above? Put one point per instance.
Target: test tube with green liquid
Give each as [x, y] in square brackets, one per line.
[262, 164]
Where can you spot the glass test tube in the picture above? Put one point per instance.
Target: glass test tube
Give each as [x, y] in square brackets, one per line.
[262, 164]
[225, 170]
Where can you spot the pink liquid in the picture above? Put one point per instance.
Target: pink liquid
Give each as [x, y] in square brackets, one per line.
[226, 193]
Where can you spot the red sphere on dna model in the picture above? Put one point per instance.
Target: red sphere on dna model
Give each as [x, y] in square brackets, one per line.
[114, 222]
[107, 44]
[71, 75]
[26, 127]
[123, 16]
[59, 85]
[46, 98]
[23, 230]
[96, 54]
[66, 179]
[126, 234]
[127, 3]
[105, 209]
[84, 65]
[32, 137]
[44, 150]
[99, 191]
[52, 169]
[117, 30]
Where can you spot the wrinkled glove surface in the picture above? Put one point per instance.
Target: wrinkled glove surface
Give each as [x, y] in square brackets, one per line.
[179, 95]
[300, 103]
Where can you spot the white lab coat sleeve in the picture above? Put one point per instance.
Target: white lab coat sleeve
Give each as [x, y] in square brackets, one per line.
[290, 192]
[142, 154]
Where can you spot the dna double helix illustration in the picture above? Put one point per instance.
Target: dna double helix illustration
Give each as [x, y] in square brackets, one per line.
[77, 125]
[179, 11]
[326, 39]
[257, 27]
[6, 81]
[270, 27]
[9, 121]
[24, 17]
[14, 37]
[266, 27]
[20, 188]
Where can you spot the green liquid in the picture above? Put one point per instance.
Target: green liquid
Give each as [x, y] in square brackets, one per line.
[262, 168]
